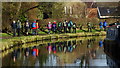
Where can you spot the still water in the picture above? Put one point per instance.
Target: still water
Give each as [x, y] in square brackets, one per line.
[83, 52]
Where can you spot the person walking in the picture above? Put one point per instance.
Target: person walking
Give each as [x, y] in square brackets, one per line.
[70, 24]
[27, 26]
[105, 25]
[65, 26]
[101, 26]
[89, 27]
[18, 27]
[49, 26]
[37, 26]
[74, 27]
[34, 27]
[54, 27]
[14, 28]
[60, 27]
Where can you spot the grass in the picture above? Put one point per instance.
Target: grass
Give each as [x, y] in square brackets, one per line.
[45, 33]
[40, 32]
[5, 34]
[79, 31]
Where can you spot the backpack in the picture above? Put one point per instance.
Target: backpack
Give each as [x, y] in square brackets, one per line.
[64, 23]
[54, 25]
[49, 26]
[89, 24]
[100, 24]
[59, 24]
[54, 48]
[74, 26]
[69, 24]
[33, 25]
[104, 23]
[37, 25]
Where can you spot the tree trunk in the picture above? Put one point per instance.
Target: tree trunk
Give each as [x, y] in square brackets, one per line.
[18, 10]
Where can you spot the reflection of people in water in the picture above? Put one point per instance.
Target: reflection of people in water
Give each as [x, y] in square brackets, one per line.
[27, 52]
[70, 48]
[69, 45]
[54, 48]
[81, 42]
[88, 43]
[100, 43]
[35, 51]
[14, 55]
[65, 46]
[49, 48]
[60, 47]
[74, 44]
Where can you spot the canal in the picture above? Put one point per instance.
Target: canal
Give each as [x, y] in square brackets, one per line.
[77, 52]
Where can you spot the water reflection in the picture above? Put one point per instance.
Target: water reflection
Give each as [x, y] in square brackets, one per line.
[49, 48]
[35, 51]
[100, 43]
[66, 53]
[16, 55]
[51, 61]
[27, 52]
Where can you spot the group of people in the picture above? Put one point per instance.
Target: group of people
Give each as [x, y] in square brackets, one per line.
[62, 46]
[27, 51]
[65, 27]
[18, 28]
[103, 25]
[54, 27]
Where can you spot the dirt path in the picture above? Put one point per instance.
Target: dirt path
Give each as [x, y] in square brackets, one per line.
[5, 37]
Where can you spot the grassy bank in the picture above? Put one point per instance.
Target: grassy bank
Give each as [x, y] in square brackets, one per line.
[7, 43]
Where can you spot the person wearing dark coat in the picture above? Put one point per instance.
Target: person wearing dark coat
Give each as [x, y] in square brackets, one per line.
[18, 27]
[27, 26]
[14, 28]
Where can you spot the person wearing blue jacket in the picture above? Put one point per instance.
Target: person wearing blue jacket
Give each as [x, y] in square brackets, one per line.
[101, 25]
[100, 43]
[70, 24]
[104, 25]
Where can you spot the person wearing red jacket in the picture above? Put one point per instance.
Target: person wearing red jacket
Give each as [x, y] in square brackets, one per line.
[49, 26]
[35, 51]
[35, 27]
[54, 27]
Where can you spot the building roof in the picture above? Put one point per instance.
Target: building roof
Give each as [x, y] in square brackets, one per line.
[107, 12]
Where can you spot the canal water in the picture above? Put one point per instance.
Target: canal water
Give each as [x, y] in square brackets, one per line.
[85, 52]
